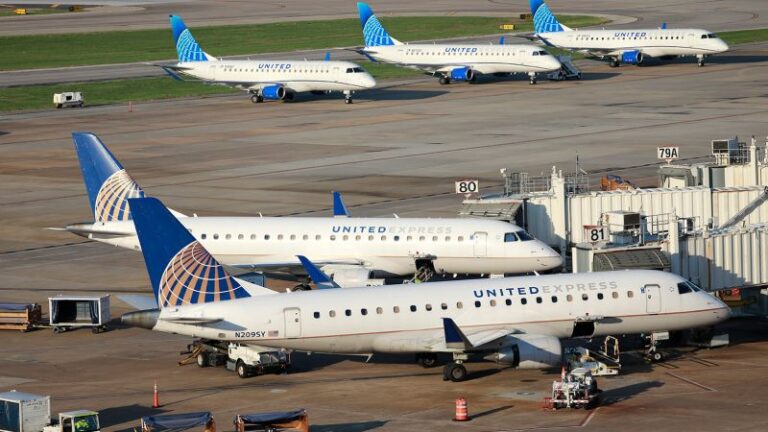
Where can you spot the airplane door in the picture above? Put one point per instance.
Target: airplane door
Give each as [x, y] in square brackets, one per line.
[481, 243]
[652, 298]
[292, 322]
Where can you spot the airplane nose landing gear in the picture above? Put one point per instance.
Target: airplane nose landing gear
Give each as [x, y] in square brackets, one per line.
[700, 58]
[347, 97]
[532, 75]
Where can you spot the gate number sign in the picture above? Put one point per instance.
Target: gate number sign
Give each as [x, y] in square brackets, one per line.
[467, 186]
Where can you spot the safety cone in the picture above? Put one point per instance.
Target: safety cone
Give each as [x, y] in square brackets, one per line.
[155, 398]
[462, 414]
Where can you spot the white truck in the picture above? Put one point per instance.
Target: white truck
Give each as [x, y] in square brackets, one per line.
[245, 360]
[68, 99]
[76, 421]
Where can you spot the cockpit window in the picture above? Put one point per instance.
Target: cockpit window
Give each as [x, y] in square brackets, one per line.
[709, 36]
[687, 287]
[524, 236]
[517, 236]
[540, 53]
[349, 70]
[355, 70]
[535, 53]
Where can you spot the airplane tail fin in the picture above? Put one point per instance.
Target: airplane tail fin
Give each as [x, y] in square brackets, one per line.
[187, 47]
[373, 32]
[181, 270]
[339, 208]
[108, 184]
[543, 19]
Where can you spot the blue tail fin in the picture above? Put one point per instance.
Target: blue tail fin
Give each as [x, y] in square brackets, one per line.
[187, 48]
[339, 209]
[373, 32]
[182, 272]
[109, 186]
[543, 19]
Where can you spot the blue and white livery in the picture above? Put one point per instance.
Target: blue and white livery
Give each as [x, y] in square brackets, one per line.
[452, 62]
[355, 250]
[265, 79]
[625, 46]
[516, 321]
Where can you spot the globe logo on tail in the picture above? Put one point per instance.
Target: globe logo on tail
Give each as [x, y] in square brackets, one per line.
[193, 276]
[112, 200]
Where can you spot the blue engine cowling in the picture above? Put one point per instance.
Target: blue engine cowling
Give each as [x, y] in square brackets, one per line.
[462, 74]
[275, 92]
[631, 57]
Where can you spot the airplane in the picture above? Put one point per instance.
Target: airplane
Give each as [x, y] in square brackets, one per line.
[518, 321]
[265, 79]
[624, 46]
[452, 62]
[356, 250]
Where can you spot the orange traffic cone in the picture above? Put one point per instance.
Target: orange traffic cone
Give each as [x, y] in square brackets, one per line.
[462, 414]
[155, 398]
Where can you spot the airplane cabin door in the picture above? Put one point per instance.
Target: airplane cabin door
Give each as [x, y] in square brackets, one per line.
[480, 244]
[292, 322]
[652, 298]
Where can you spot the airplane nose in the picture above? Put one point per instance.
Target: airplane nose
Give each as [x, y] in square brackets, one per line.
[722, 46]
[370, 82]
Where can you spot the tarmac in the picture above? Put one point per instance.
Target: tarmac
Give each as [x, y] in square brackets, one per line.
[398, 149]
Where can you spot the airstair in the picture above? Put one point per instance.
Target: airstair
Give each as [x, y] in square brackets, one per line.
[604, 362]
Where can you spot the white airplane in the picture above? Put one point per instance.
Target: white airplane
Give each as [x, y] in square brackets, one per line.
[452, 62]
[625, 46]
[517, 321]
[352, 249]
[265, 79]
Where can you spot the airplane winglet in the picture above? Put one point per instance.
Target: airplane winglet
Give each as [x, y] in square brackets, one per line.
[328, 56]
[322, 280]
[501, 40]
[663, 26]
[339, 209]
[454, 337]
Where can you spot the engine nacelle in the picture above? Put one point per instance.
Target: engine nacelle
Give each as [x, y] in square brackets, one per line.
[529, 352]
[275, 92]
[462, 74]
[348, 277]
[631, 57]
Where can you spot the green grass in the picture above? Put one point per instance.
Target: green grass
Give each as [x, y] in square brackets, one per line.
[45, 51]
[105, 92]
[744, 36]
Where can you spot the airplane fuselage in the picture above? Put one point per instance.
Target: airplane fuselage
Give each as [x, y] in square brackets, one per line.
[484, 59]
[407, 318]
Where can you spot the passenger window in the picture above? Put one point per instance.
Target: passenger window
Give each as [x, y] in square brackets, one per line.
[293, 236]
[357, 237]
[459, 305]
[508, 302]
[413, 308]
[279, 236]
[215, 236]
[370, 238]
[630, 294]
[569, 298]
[363, 311]
[240, 236]
[396, 309]
[396, 238]
[584, 297]
[333, 237]
[493, 302]
[615, 295]
[266, 236]
[460, 238]
[379, 311]
[477, 303]
[434, 238]
[443, 306]
[228, 236]
[539, 300]
[524, 301]
[409, 238]
[332, 314]
[554, 299]
[383, 238]
[421, 238]
[305, 237]
[428, 307]
[253, 236]
[599, 296]
[348, 312]
[203, 236]
[346, 237]
[317, 315]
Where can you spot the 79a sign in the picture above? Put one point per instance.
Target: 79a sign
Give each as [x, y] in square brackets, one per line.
[668, 153]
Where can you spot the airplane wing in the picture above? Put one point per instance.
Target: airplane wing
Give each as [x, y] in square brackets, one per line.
[280, 269]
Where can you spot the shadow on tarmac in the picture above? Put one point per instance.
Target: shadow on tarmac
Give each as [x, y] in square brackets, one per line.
[347, 427]
[610, 397]
[109, 417]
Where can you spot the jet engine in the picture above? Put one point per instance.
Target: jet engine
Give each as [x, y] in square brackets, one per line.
[351, 276]
[529, 351]
[274, 92]
[632, 57]
[462, 74]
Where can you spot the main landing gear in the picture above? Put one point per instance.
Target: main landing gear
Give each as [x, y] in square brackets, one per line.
[427, 360]
[455, 371]
[257, 98]
[532, 76]
[613, 62]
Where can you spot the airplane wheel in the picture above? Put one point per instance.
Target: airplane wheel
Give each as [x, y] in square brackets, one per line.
[426, 360]
[202, 360]
[348, 101]
[614, 63]
[455, 372]
[657, 356]
[444, 80]
[255, 99]
[701, 63]
[533, 81]
[241, 369]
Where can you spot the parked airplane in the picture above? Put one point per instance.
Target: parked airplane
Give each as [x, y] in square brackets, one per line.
[452, 62]
[265, 79]
[625, 46]
[518, 321]
[353, 249]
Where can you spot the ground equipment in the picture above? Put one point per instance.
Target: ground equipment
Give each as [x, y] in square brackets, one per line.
[599, 362]
[576, 389]
[76, 421]
[273, 421]
[68, 312]
[24, 412]
[68, 99]
[178, 422]
[19, 316]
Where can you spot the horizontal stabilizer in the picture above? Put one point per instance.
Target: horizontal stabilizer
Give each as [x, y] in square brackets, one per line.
[191, 320]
